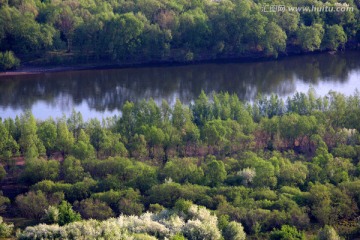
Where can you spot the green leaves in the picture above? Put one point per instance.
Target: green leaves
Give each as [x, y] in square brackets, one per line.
[310, 37]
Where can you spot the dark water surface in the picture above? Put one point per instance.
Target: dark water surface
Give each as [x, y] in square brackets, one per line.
[101, 93]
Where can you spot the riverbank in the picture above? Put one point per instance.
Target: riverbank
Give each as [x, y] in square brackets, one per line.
[31, 68]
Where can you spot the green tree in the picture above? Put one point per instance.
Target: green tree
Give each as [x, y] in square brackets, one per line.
[65, 139]
[67, 214]
[94, 209]
[184, 170]
[310, 37]
[328, 233]
[215, 173]
[201, 109]
[123, 34]
[44, 169]
[30, 144]
[2, 173]
[334, 37]
[32, 204]
[83, 149]
[275, 39]
[287, 232]
[67, 22]
[5, 229]
[320, 199]
[48, 134]
[72, 170]
[75, 123]
[8, 61]
[264, 170]
[234, 230]
[111, 145]
[8, 146]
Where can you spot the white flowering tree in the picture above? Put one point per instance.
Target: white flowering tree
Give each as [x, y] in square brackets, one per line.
[197, 223]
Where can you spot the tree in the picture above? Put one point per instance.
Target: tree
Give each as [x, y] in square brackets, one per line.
[94, 209]
[4, 202]
[83, 148]
[72, 171]
[287, 232]
[138, 147]
[320, 203]
[126, 201]
[275, 39]
[310, 37]
[123, 34]
[65, 139]
[179, 116]
[51, 215]
[44, 169]
[30, 144]
[334, 37]
[48, 134]
[2, 172]
[111, 145]
[288, 21]
[184, 170]
[8, 146]
[193, 28]
[8, 61]
[265, 170]
[328, 233]
[75, 123]
[67, 214]
[215, 173]
[234, 231]
[67, 22]
[5, 229]
[32, 204]
[201, 109]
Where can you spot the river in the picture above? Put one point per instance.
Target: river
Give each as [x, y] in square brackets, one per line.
[101, 93]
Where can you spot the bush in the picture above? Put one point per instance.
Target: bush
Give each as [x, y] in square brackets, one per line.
[5, 229]
[4, 202]
[2, 173]
[67, 214]
[287, 233]
[234, 231]
[8, 61]
[32, 204]
[51, 215]
[328, 233]
[165, 225]
[94, 208]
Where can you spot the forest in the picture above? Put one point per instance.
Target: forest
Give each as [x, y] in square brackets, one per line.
[218, 168]
[54, 32]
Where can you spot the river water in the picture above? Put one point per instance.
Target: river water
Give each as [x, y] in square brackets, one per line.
[101, 93]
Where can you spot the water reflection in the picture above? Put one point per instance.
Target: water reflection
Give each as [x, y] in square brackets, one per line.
[107, 90]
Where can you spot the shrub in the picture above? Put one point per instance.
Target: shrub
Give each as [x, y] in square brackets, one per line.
[94, 208]
[287, 232]
[8, 61]
[328, 233]
[32, 204]
[67, 214]
[234, 231]
[165, 225]
[51, 215]
[2, 173]
[5, 229]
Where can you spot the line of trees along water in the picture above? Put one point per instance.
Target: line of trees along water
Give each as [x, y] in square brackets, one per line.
[284, 170]
[157, 30]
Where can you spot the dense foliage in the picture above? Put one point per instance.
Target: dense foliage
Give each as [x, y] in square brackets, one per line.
[157, 30]
[272, 168]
